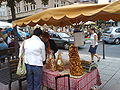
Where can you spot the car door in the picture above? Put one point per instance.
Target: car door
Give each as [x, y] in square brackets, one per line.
[119, 32]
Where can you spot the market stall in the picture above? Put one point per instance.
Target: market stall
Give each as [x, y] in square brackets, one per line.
[67, 15]
[83, 74]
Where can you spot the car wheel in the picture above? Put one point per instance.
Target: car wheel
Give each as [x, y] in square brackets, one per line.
[66, 46]
[117, 41]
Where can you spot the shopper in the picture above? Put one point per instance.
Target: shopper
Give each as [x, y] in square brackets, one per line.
[3, 46]
[94, 44]
[34, 50]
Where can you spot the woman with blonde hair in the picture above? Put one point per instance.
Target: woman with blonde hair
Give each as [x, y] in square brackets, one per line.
[50, 44]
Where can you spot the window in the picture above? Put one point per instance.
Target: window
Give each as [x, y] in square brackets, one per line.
[109, 0]
[2, 11]
[117, 30]
[85, 0]
[9, 12]
[108, 30]
[64, 35]
[55, 36]
[26, 6]
[45, 6]
[17, 7]
[56, 3]
[33, 6]
[95, 1]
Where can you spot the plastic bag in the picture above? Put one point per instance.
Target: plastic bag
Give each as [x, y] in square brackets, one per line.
[51, 63]
[21, 69]
[59, 62]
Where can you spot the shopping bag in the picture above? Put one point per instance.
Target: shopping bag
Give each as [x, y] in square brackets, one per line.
[21, 69]
[92, 49]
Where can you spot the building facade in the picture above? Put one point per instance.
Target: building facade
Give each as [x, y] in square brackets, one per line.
[105, 1]
[24, 9]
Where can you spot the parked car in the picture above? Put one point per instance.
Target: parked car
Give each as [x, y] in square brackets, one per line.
[62, 39]
[111, 35]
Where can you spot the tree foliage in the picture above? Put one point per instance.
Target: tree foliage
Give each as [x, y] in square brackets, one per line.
[45, 2]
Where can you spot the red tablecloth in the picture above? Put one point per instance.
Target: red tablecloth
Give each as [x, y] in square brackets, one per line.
[84, 83]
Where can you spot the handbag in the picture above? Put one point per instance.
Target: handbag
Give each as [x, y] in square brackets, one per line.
[21, 69]
[92, 49]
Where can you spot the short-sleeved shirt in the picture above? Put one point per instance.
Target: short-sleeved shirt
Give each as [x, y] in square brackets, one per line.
[93, 40]
[34, 50]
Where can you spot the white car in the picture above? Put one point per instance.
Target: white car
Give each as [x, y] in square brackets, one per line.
[111, 35]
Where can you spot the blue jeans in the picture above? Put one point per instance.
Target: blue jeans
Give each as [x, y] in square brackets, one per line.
[34, 77]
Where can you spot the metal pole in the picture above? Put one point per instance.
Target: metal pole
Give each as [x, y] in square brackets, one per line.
[103, 49]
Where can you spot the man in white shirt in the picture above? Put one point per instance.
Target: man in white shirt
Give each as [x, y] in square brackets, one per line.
[34, 51]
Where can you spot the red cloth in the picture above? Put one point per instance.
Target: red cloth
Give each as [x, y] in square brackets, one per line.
[83, 83]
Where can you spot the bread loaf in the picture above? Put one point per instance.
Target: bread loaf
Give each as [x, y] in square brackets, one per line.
[74, 61]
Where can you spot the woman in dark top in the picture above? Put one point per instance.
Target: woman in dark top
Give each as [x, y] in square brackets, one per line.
[50, 45]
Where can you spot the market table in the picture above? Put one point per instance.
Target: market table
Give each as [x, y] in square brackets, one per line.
[85, 82]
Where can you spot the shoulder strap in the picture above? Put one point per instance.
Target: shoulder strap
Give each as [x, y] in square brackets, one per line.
[22, 50]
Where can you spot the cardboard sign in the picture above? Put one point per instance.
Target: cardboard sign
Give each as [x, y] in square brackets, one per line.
[79, 39]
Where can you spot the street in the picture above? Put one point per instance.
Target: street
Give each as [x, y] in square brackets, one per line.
[111, 50]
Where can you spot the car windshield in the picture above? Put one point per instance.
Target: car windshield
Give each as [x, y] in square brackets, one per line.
[108, 30]
[64, 35]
